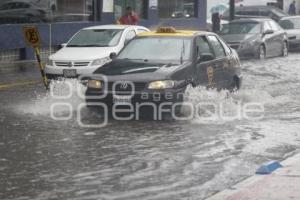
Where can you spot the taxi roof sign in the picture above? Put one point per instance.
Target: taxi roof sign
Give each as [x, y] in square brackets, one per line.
[179, 33]
[32, 36]
[166, 30]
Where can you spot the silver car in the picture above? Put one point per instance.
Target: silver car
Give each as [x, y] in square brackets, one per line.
[292, 26]
[259, 38]
[15, 9]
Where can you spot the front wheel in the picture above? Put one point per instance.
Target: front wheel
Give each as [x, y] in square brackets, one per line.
[236, 84]
[285, 50]
[261, 52]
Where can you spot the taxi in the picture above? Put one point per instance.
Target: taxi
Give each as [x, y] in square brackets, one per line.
[158, 67]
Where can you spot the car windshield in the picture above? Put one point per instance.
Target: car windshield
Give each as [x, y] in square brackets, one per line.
[241, 28]
[290, 23]
[157, 49]
[96, 38]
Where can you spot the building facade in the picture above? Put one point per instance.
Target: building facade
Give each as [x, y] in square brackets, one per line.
[58, 20]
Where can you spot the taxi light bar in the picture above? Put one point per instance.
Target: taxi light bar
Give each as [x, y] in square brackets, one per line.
[166, 30]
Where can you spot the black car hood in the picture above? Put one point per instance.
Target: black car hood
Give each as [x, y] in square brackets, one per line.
[124, 69]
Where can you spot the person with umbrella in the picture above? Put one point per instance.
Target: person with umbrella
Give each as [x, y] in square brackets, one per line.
[216, 21]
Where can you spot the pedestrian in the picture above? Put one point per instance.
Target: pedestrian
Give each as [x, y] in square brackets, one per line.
[216, 21]
[130, 17]
[292, 8]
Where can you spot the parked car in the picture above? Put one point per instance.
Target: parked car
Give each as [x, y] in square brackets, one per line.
[89, 49]
[256, 11]
[70, 17]
[292, 26]
[259, 38]
[16, 8]
[19, 19]
[165, 62]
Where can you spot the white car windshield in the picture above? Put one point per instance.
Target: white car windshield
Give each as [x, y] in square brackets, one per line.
[96, 38]
[157, 49]
[241, 28]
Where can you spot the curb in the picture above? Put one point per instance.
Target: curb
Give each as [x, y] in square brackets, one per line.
[4, 66]
[248, 182]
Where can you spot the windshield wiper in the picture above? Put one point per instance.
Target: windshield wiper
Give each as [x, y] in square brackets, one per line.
[144, 60]
[74, 45]
[88, 45]
[96, 45]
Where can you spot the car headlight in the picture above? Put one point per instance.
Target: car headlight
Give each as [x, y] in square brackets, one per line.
[161, 85]
[248, 44]
[50, 62]
[100, 61]
[94, 84]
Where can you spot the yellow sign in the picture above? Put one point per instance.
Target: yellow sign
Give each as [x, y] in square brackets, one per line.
[32, 36]
[210, 75]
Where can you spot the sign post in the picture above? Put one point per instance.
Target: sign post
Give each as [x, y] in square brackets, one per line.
[32, 38]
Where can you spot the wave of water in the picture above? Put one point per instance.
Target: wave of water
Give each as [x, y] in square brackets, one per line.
[66, 95]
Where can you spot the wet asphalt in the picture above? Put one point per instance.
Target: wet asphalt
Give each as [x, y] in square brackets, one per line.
[42, 158]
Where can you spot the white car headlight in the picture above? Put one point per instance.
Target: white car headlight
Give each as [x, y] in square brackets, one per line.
[50, 62]
[94, 84]
[161, 85]
[100, 62]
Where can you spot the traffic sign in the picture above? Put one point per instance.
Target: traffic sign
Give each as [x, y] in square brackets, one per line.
[32, 36]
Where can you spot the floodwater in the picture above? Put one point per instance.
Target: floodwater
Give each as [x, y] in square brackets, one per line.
[42, 158]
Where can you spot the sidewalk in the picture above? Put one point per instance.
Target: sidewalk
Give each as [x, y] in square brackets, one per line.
[17, 65]
[283, 184]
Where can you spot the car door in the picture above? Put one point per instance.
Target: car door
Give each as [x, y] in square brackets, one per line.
[204, 60]
[279, 35]
[220, 62]
[229, 68]
[269, 39]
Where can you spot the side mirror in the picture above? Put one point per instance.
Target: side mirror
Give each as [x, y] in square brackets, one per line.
[206, 57]
[63, 45]
[267, 32]
[112, 55]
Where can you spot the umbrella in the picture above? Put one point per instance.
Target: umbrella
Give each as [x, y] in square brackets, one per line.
[219, 8]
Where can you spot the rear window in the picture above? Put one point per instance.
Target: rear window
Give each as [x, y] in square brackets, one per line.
[290, 23]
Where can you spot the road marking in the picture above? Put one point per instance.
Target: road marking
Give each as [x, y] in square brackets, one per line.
[11, 85]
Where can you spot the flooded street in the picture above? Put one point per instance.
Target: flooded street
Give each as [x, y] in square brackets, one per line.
[42, 158]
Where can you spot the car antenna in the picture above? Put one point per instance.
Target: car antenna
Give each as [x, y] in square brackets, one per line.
[182, 52]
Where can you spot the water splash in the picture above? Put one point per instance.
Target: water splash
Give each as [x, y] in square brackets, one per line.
[65, 95]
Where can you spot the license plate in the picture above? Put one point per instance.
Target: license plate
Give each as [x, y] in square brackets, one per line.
[122, 100]
[70, 73]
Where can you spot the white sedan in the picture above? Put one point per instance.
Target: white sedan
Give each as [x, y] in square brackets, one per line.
[89, 49]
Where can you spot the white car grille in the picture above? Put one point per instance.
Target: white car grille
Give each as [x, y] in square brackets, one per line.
[71, 64]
